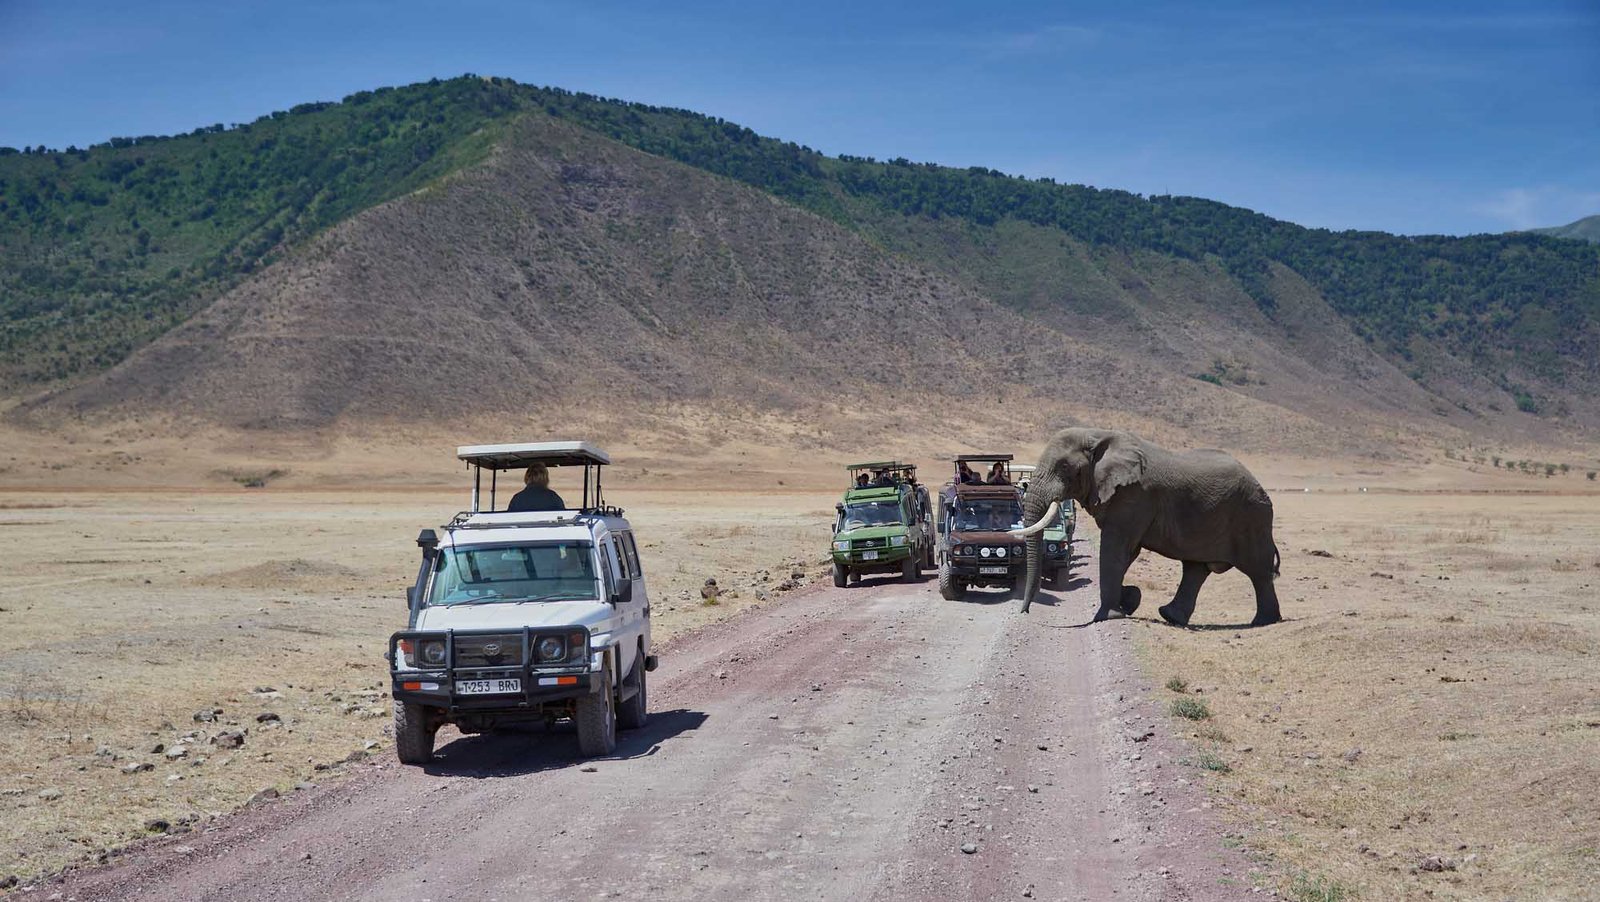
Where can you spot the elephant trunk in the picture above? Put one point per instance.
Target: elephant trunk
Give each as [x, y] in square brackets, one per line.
[1035, 506]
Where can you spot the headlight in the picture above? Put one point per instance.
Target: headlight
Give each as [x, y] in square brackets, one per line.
[841, 545]
[550, 650]
[432, 653]
[999, 552]
[1052, 548]
[966, 550]
[985, 552]
[896, 541]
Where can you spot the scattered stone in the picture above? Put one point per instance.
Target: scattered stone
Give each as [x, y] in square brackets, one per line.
[304, 785]
[772, 717]
[268, 717]
[137, 767]
[1318, 552]
[206, 715]
[265, 795]
[588, 769]
[1352, 755]
[262, 690]
[1381, 575]
[1436, 864]
[176, 752]
[1042, 748]
[157, 825]
[1032, 788]
[228, 739]
[720, 674]
[369, 745]
[50, 795]
[971, 848]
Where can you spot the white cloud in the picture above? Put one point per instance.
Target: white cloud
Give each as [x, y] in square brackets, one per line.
[1538, 207]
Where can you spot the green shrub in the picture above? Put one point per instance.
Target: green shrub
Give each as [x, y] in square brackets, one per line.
[1190, 708]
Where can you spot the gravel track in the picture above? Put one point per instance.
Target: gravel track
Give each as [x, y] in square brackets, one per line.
[835, 744]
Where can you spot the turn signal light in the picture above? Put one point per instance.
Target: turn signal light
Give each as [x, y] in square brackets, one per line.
[411, 686]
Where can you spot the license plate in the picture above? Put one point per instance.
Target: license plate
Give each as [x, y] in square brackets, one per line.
[991, 569]
[869, 555]
[488, 687]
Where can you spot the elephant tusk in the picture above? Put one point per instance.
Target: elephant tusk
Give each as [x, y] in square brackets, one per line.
[1044, 521]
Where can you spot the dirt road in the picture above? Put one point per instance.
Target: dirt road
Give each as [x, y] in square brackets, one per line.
[841, 744]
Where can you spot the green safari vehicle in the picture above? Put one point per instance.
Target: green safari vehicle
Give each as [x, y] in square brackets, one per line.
[884, 524]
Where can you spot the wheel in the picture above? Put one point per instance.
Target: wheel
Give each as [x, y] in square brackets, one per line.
[632, 713]
[841, 577]
[413, 733]
[596, 719]
[909, 571]
[950, 588]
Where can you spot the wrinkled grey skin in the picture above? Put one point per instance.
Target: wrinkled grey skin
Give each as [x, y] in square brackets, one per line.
[1199, 507]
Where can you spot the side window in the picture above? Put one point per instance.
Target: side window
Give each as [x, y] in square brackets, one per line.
[633, 554]
[607, 569]
[622, 559]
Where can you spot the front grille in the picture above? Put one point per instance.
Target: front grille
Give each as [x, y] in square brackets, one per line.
[869, 543]
[489, 651]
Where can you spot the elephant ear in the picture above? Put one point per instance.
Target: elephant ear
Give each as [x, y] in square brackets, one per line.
[1117, 462]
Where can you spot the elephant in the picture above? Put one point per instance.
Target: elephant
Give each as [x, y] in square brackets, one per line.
[1199, 507]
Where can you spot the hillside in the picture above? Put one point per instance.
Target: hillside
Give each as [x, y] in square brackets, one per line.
[339, 263]
[1585, 229]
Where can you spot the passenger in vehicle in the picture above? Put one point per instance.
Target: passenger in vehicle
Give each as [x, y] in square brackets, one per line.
[883, 479]
[863, 480]
[997, 474]
[536, 494]
[967, 476]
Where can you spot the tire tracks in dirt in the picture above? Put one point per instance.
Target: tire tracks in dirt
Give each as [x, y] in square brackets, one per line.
[836, 744]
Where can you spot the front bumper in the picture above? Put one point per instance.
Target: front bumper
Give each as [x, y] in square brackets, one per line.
[886, 559]
[541, 684]
[988, 571]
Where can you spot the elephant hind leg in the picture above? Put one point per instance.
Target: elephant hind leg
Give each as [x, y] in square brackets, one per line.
[1181, 607]
[1266, 600]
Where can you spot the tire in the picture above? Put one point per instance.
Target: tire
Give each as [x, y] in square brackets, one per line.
[950, 588]
[632, 714]
[413, 734]
[596, 719]
[909, 571]
[841, 577]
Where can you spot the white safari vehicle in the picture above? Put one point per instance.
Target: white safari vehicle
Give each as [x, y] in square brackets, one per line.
[524, 617]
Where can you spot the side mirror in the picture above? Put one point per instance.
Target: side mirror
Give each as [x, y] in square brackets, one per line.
[623, 593]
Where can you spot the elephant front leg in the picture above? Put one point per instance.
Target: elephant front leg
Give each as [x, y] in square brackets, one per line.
[1181, 607]
[1114, 563]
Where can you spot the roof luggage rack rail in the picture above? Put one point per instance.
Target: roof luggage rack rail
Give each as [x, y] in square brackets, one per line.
[463, 519]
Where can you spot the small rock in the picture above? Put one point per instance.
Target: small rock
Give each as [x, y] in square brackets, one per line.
[137, 767]
[228, 739]
[970, 848]
[1318, 552]
[369, 745]
[588, 769]
[1032, 788]
[9, 881]
[262, 690]
[157, 825]
[772, 717]
[268, 717]
[720, 674]
[304, 785]
[158, 748]
[1436, 864]
[50, 795]
[206, 715]
[176, 752]
[1352, 755]
[265, 795]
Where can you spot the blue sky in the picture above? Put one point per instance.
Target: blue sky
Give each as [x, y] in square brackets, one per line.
[1408, 117]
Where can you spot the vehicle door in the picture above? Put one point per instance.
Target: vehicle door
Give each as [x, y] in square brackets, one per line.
[634, 613]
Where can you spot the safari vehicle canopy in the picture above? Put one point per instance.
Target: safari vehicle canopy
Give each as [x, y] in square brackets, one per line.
[883, 524]
[495, 458]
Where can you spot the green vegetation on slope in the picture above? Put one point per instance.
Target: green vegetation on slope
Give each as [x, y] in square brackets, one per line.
[1585, 229]
[106, 248]
[103, 249]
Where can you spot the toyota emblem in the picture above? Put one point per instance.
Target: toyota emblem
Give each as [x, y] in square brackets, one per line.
[491, 648]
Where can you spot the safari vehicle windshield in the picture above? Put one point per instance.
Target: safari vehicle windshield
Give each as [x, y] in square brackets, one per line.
[490, 574]
[979, 516]
[871, 513]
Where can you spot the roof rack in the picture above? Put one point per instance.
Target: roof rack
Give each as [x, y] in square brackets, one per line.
[520, 456]
[530, 519]
[973, 458]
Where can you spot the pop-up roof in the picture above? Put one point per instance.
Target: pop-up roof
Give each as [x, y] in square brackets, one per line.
[985, 458]
[519, 456]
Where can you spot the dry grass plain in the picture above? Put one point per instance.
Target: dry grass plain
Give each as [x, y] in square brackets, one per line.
[127, 613]
[1434, 692]
[1427, 721]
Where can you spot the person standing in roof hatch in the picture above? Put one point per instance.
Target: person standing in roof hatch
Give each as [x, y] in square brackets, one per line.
[536, 494]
